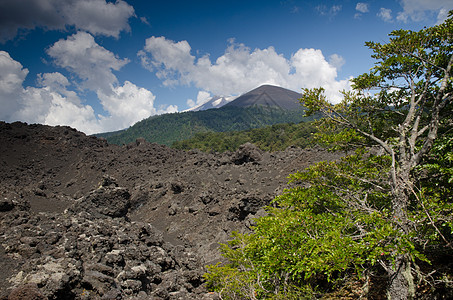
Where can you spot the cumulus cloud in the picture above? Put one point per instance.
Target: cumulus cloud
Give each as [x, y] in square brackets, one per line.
[169, 58]
[241, 69]
[55, 80]
[94, 16]
[50, 104]
[11, 78]
[81, 55]
[98, 16]
[385, 14]
[128, 104]
[337, 61]
[94, 66]
[47, 106]
[53, 102]
[402, 17]
[416, 10]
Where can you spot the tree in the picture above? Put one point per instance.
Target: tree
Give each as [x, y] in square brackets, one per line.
[413, 75]
[367, 210]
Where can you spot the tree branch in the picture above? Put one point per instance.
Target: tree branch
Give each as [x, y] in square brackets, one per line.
[439, 103]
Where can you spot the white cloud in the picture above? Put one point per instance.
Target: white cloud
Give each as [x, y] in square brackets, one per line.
[168, 57]
[12, 74]
[11, 78]
[337, 61]
[190, 103]
[312, 70]
[385, 14]
[53, 103]
[240, 69]
[50, 104]
[416, 9]
[70, 114]
[92, 63]
[128, 104]
[202, 98]
[98, 16]
[442, 16]
[55, 80]
[47, 104]
[94, 16]
[57, 83]
[402, 17]
[362, 7]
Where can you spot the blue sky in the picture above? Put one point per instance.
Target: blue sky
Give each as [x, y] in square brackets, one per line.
[100, 65]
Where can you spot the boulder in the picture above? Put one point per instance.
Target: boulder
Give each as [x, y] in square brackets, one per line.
[247, 153]
[27, 291]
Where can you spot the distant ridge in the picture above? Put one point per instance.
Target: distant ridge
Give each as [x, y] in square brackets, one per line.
[265, 105]
[269, 95]
[168, 128]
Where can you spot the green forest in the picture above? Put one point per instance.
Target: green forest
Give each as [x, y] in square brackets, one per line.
[377, 224]
[276, 137]
[168, 128]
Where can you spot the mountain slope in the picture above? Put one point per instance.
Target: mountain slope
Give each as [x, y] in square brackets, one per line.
[265, 105]
[269, 95]
[168, 128]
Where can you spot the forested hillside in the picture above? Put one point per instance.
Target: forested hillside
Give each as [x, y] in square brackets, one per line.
[168, 128]
[270, 138]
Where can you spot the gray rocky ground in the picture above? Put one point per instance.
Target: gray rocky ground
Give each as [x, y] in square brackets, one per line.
[81, 219]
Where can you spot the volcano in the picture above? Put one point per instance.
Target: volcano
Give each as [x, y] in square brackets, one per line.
[269, 95]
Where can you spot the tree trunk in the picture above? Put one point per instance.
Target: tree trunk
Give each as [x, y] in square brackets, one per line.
[401, 282]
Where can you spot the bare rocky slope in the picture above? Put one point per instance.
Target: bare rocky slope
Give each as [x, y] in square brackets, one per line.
[82, 219]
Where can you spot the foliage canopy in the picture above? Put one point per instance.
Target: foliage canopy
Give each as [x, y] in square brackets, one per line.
[168, 128]
[276, 137]
[382, 213]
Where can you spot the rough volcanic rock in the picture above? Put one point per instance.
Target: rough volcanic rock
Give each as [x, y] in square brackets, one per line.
[247, 153]
[6, 204]
[27, 291]
[78, 255]
[82, 219]
[107, 200]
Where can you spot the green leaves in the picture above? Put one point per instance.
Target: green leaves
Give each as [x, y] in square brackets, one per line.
[368, 212]
[322, 229]
[409, 56]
